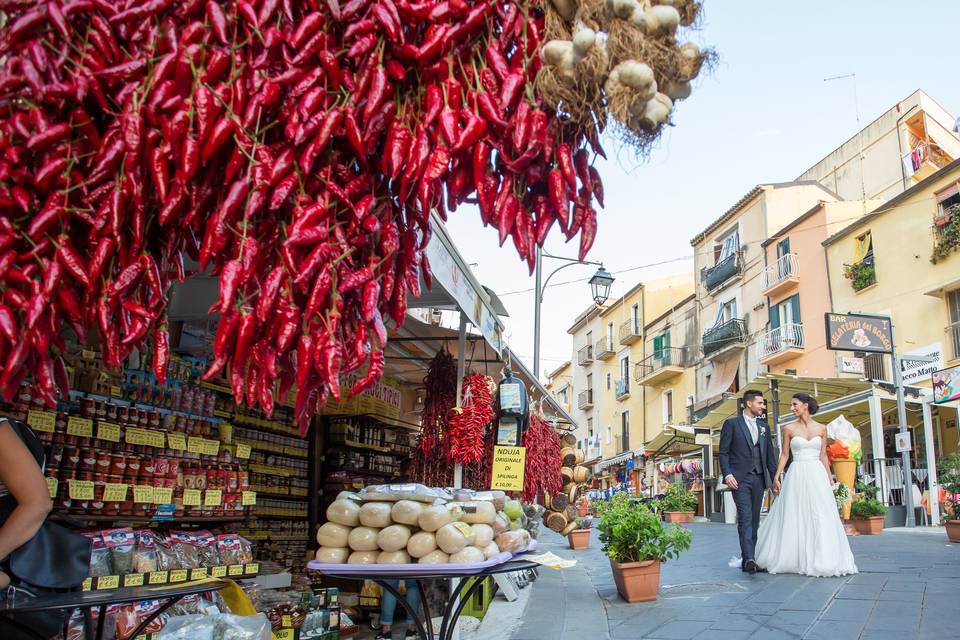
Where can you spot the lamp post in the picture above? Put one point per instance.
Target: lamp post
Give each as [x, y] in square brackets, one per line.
[599, 288]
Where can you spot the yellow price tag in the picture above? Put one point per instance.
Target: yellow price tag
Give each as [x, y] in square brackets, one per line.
[243, 451]
[42, 421]
[284, 634]
[156, 439]
[198, 574]
[194, 444]
[162, 495]
[115, 391]
[108, 582]
[108, 431]
[248, 499]
[218, 571]
[192, 498]
[211, 447]
[136, 436]
[52, 486]
[252, 568]
[87, 584]
[157, 577]
[286, 621]
[81, 489]
[142, 494]
[212, 497]
[179, 575]
[114, 492]
[177, 441]
[133, 580]
[235, 570]
[80, 427]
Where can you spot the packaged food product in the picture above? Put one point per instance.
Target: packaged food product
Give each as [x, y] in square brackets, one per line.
[363, 539]
[393, 557]
[100, 563]
[331, 534]
[469, 555]
[231, 549]
[407, 512]
[394, 537]
[454, 537]
[332, 555]
[145, 555]
[484, 535]
[490, 550]
[513, 541]
[206, 544]
[167, 558]
[394, 492]
[375, 514]
[421, 544]
[363, 557]
[121, 543]
[478, 512]
[184, 544]
[345, 512]
[432, 518]
[435, 557]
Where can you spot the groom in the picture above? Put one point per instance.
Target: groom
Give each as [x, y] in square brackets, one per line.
[746, 457]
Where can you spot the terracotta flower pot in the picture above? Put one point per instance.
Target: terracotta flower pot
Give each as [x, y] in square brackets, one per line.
[579, 539]
[637, 581]
[683, 517]
[953, 530]
[871, 526]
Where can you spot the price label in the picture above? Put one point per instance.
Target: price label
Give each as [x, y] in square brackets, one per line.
[243, 451]
[108, 582]
[156, 439]
[114, 492]
[52, 486]
[133, 580]
[248, 499]
[157, 577]
[179, 575]
[87, 584]
[136, 436]
[285, 634]
[142, 494]
[211, 447]
[198, 574]
[286, 621]
[212, 497]
[235, 570]
[192, 498]
[162, 495]
[80, 427]
[81, 489]
[177, 441]
[195, 445]
[115, 391]
[218, 572]
[253, 568]
[108, 431]
[42, 421]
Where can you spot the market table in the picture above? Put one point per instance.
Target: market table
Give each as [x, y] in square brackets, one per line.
[87, 600]
[453, 607]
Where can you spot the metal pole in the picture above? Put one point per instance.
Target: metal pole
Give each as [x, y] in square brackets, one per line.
[902, 417]
[537, 299]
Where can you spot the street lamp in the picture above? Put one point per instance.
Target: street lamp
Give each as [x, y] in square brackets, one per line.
[599, 288]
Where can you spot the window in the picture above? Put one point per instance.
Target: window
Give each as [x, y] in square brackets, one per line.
[948, 198]
[624, 431]
[635, 317]
[786, 312]
[661, 349]
[589, 338]
[784, 267]
[609, 336]
[625, 368]
[953, 305]
[863, 248]
[608, 382]
[609, 435]
[726, 246]
[726, 312]
[589, 382]
[590, 427]
[667, 400]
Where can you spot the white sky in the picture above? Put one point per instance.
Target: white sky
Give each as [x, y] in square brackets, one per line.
[765, 115]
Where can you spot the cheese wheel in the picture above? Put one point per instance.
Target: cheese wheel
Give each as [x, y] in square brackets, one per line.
[454, 537]
[421, 544]
[484, 535]
[513, 541]
[363, 539]
[332, 555]
[435, 557]
[490, 550]
[345, 512]
[478, 512]
[331, 534]
[375, 514]
[406, 512]
[469, 555]
[363, 557]
[393, 538]
[393, 557]
[432, 518]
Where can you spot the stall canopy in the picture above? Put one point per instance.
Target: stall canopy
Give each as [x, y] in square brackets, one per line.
[720, 380]
[677, 439]
[609, 462]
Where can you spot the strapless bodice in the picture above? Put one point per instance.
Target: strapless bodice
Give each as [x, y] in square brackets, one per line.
[803, 449]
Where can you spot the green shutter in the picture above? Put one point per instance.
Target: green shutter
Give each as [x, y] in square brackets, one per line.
[774, 316]
[795, 301]
[658, 347]
[665, 343]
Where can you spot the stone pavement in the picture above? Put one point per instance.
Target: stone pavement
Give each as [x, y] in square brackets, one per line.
[907, 588]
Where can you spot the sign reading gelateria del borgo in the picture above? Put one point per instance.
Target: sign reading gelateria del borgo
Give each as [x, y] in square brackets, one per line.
[858, 332]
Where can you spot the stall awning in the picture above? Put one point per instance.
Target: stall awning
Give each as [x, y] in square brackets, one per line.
[722, 377]
[609, 462]
[677, 438]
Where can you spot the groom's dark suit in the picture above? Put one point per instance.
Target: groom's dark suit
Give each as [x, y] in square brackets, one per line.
[749, 464]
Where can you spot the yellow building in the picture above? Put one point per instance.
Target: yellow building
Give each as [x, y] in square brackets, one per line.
[902, 261]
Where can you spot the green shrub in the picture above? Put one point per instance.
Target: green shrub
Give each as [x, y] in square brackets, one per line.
[679, 498]
[867, 508]
[631, 532]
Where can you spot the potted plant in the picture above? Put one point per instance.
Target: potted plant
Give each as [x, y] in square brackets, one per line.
[636, 541]
[679, 504]
[867, 513]
[842, 495]
[861, 274]
[579, 538]
[950, 481]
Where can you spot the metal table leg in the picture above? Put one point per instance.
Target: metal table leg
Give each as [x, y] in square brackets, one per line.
[410, 611]
[453, 614]
[100, 621]
[428, 618]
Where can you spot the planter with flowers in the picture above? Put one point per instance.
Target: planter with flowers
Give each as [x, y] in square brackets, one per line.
[949, 470]
[861, 274]
[679, 504]
[867, 513]
[947, 236]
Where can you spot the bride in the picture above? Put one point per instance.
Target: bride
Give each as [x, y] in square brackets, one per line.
[803, 533]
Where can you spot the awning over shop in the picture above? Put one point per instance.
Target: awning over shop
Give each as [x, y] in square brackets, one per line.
[722, 377]
[615, 460]
[675, 439]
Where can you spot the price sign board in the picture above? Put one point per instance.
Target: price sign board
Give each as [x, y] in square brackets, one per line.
[210, 447]
[42, 421]
[81, 489]
[248, 498]
[162, 495]
[194, 444]
[243, 451]
[192, 498]
[177, 441]
[114, 492]
[136, 436]
[212, 497]
[156, 439]
[142, 494]
[108, 431]
[80, 427]
[52, 486]
[508, 468]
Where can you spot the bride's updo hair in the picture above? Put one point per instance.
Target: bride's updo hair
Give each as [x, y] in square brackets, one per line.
[812, 405]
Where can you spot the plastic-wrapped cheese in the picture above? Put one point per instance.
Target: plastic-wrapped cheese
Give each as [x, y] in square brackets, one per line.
[394, 537]
[331, 534]
[432, 518]
[478, 512]
[490, 550]
[407, 512]
[345, 512]
[501, 524]
[421, 544]
[375, 514]
[363, 557]
[363, 539]
[513, 541]
[469, 555]
[454, 537]
[499, 499]
[332, 555]
[393, 557]
[435, 557]
[484, 535]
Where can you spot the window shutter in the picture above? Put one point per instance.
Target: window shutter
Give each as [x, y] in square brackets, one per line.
[795, 301]
[658, 347]
[774, 316]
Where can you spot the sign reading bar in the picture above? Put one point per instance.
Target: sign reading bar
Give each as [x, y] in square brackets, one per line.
[162, 495]
[508, 466]
[52, 486]
[946, 385]
[857, 332]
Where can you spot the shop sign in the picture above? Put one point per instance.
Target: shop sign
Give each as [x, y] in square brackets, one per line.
[850, 364]
[857, 332]
[508, 468]
[946, 385]
[903, 442]
[912, 371]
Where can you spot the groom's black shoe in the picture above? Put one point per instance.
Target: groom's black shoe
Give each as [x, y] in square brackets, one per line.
[750, 566]
[761, 569]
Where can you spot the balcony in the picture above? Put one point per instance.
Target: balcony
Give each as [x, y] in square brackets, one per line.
[585, 355]
[585, 399]
[719, 340]
[623, 388]
[629, 332]
[953, 340]
[925, 160]
[861, 274]
[661, 367]
[723, 272]
[604, 349]
[783, 274]
[781, 344]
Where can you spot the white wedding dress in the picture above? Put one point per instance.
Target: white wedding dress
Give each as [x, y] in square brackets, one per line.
[803, 533]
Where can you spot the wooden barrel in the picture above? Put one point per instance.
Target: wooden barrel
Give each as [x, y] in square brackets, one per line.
[571, 513]
[559, 502]
[573, 490]
[581, 475]
[569, 440]
[569, 455]
[567, 474]
[579, 455]
[557, 521]
[570, 527]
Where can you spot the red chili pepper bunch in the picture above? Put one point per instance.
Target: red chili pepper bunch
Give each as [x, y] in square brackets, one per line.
[543, 459]
[467, 423]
